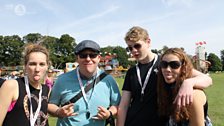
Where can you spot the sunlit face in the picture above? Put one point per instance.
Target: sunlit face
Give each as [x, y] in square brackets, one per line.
[138, 49]
[170, 65]
[36, 67]
[88, 62]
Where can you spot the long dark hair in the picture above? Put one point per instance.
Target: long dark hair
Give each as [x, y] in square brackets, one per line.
[165, 96]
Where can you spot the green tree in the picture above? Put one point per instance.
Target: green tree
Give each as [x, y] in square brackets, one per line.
[122, 56]
[121, 53]
[108, 49]
[1, 51]
[164, 49]
[216, 64]
[156, 51]
[32, 38]
[64, 51]
[11, 50]
[50, 43]
[222, 59]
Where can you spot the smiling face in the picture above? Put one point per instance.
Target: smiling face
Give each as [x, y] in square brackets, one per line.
[36, 67]
[171, 67]
[88, 62]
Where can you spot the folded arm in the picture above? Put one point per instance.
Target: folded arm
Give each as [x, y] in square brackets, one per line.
[185, 94]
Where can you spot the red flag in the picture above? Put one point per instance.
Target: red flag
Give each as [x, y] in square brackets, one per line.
[200, 43]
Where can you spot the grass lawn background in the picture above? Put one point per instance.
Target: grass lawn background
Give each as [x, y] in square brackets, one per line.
[215, 96]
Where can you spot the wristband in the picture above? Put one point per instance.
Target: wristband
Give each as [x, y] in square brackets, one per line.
[110, 119]
[57, 112]
[111, 115]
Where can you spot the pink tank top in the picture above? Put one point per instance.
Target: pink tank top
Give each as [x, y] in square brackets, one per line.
[11, 106]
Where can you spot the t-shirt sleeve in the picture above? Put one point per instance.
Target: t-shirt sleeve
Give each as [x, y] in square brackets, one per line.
[127, 83]
[115, 96]
[55, 92]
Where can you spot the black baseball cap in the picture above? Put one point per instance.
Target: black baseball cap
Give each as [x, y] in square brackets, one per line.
[87, 44]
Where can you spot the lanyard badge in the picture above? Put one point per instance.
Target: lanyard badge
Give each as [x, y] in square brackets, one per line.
[84, 93]
[143, 85]
[33, 118]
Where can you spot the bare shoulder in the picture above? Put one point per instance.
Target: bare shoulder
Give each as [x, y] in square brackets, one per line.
[199, 97]
[10, 87]
[10, 84]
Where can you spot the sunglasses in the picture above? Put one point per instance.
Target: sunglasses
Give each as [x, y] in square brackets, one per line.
[91, 55]
[136, 46]
[172, 64]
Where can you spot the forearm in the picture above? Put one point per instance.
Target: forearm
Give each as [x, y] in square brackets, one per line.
[121, 116]
[200, 80]
[203, 82]
[53, 110]
[123, 108]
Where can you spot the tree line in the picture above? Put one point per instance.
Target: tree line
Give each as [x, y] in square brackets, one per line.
[62, 51]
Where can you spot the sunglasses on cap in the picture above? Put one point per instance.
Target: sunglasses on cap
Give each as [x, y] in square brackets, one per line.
[172, 64]
[136, 46]
[90, 55]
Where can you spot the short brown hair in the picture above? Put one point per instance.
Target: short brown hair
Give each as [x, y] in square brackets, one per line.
[136, 33]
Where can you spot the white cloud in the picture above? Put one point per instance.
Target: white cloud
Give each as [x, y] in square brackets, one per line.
[73, 24]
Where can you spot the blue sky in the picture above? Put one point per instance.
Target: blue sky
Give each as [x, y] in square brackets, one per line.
[175, 23]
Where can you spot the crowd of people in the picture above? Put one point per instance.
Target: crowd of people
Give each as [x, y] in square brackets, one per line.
[159, 90]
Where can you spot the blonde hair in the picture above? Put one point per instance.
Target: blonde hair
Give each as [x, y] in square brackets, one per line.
[136, 33]
[35, 48]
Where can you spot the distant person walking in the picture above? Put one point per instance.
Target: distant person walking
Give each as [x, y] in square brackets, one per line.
[49, 80]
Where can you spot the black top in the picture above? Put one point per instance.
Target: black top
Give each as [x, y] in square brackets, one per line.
[142, 113]
[1, 81]
[19, 115]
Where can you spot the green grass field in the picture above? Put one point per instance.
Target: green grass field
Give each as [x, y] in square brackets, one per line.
[215, 100]
[215, 97]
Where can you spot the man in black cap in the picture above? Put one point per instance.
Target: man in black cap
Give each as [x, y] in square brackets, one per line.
[81, 97]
